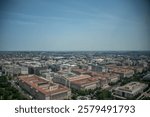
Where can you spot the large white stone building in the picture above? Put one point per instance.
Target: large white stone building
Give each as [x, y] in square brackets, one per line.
[129, 90]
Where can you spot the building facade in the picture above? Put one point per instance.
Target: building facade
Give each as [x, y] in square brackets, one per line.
[42, 89]
[129, 90]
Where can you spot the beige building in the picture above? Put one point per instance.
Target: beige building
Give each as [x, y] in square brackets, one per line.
[14, 70]
[123, 72]
[42, 89]
[111, 77]
[77, 81]
[129, 90]
[84, 82]
[105, 78]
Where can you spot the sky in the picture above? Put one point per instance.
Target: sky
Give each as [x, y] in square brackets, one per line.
[74, 25]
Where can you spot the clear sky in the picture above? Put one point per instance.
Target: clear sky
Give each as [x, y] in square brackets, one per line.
[60, 25]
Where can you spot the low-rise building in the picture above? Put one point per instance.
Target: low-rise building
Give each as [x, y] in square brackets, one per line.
[11, 70]
[83, 82]
[129, 90]
[14, 70]
[76, 81]
[111, 77]
[99, 68]
[23, 70]
[42, 89]
[123, 72]
[105, 78]
[79, 71]
[138, 69]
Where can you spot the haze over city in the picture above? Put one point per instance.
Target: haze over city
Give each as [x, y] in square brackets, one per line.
[74, 25]
[75, 50]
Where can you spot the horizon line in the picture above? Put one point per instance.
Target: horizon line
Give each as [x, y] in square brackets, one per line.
[69, 50]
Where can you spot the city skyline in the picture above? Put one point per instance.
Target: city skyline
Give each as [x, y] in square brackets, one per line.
[73, 25]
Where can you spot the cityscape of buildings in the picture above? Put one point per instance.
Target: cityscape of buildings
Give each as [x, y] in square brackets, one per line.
[74, 50]
[81, 75]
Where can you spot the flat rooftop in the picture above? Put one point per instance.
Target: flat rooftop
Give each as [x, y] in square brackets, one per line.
[122, 70]
[86, 81]
[79, 77]
[132, 86]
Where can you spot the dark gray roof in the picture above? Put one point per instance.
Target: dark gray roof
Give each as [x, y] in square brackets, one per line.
[147, 77]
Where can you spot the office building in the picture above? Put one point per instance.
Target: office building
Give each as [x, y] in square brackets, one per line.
[42, 89]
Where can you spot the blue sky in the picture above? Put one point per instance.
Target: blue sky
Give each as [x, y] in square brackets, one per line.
[60, 25]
